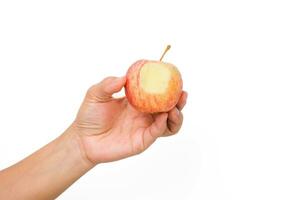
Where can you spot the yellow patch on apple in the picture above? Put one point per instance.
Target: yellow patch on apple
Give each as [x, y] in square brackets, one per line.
[153, 86]
[154, 78]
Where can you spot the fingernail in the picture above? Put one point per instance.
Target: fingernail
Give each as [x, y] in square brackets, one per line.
[177, 112]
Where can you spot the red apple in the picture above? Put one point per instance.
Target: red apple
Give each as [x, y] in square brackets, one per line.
[153, 86]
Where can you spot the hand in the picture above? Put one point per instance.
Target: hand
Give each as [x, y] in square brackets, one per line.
[111, 129]
[105, 129]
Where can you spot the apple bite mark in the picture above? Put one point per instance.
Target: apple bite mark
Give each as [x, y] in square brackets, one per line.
[153, 86]
[154, 78]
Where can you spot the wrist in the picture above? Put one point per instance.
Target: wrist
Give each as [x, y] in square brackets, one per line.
[74, 144]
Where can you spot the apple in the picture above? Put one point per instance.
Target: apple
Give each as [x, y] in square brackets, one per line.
[153, 86]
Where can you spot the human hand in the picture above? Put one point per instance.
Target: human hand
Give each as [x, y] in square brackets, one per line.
[105, 129]
[111, 129]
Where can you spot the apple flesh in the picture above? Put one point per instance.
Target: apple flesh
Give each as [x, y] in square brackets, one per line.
[153, 86]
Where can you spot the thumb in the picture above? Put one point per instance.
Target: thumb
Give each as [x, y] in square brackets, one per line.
[104, 90]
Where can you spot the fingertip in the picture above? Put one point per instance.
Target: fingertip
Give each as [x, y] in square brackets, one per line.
[182, 101]
[184, 95]
[122, 79]
[176, 111]
[174, 115]
[116, 85]
[174, 122]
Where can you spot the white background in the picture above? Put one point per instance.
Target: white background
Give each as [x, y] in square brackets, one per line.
[240, 64]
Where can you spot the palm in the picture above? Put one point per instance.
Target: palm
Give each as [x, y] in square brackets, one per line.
[116, 129]
[111, 129]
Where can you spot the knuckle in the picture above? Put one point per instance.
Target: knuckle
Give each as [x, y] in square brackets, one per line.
[90, 90]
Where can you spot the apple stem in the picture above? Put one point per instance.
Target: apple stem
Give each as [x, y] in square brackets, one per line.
[164, 53]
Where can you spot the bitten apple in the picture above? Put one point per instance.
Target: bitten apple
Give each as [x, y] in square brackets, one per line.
[153, 86]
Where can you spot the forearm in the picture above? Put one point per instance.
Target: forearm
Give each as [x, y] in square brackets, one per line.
[46, 173]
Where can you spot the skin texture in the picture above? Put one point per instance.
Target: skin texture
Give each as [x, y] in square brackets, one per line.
[118, 123]
[152, 103]
[106, 129]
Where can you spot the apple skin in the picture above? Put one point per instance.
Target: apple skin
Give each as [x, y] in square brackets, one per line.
[152, 102]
